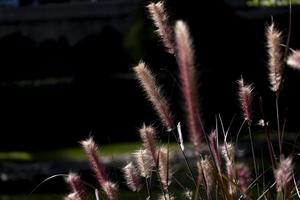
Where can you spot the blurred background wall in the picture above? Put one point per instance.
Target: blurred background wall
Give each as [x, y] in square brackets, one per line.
[66, 66]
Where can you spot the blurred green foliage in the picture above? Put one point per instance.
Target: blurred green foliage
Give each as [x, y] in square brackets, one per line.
[271, 3]
[73, 153]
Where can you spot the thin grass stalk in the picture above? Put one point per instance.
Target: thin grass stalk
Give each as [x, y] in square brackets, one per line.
[288, 41]
[270, 145]
[222, 127]
[205, 185]
[253, 155]
[168, 160]
[282, 132]
[239, 131]
[224, 191]
[266, 191]
[263, 169]
[278, 124]
[220, 180]
[253, 183]
[148, 189]
[185, 159]
[197, 192]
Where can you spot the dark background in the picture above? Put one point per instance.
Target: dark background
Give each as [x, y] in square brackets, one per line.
[54, 93]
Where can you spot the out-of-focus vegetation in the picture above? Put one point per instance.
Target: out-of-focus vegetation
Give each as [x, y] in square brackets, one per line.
[271, 3]
[72, 153]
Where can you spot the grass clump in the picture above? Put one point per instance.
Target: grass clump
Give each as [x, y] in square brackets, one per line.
[217, 173]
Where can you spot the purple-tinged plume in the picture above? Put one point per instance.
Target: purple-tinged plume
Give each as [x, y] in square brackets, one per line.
[245, 98]
[108, 187]
[148, 134]
[212, 138]
[208, 174]
[275, 62]
[160, 19]
[72, 196]
[154, 94]
[294, 60]
[163, 170]
[243, 175]
[185, 59]
[132, 177]
[144, 162]
[76, 186]
[284, 173]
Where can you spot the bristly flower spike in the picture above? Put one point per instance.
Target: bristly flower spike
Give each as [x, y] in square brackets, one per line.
[294, 60]
[284, 173]
[154, 94]
[187, 71]
[212, 138]
[144, 162]
[245, 97]
[108, 187]
[76, 186]
[163, 170]
[132, 177]
[160, 19]
[275, 61]
[148, 135]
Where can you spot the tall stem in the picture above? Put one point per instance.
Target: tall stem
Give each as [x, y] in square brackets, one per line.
[148, 189]
[253, 155]
[185, 159]
[270, 145]
[278, 124]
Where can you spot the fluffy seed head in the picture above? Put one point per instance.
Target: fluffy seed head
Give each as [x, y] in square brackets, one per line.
[212, 138]
[243, 175]
[148, 134]
[76, 186]
[110, 190]
[72, 196]
[160, 19]
[154, 94]
[144, 162]
[208, 173]
[108, 187]
[187, 72]
[294, 60]
[90, 149]
[163, 170]
[228, 152]
[200, 173]
[132, 177]
[166, 197]
[188, 194]
[275, 63]
[245, 98]
[284, 172]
